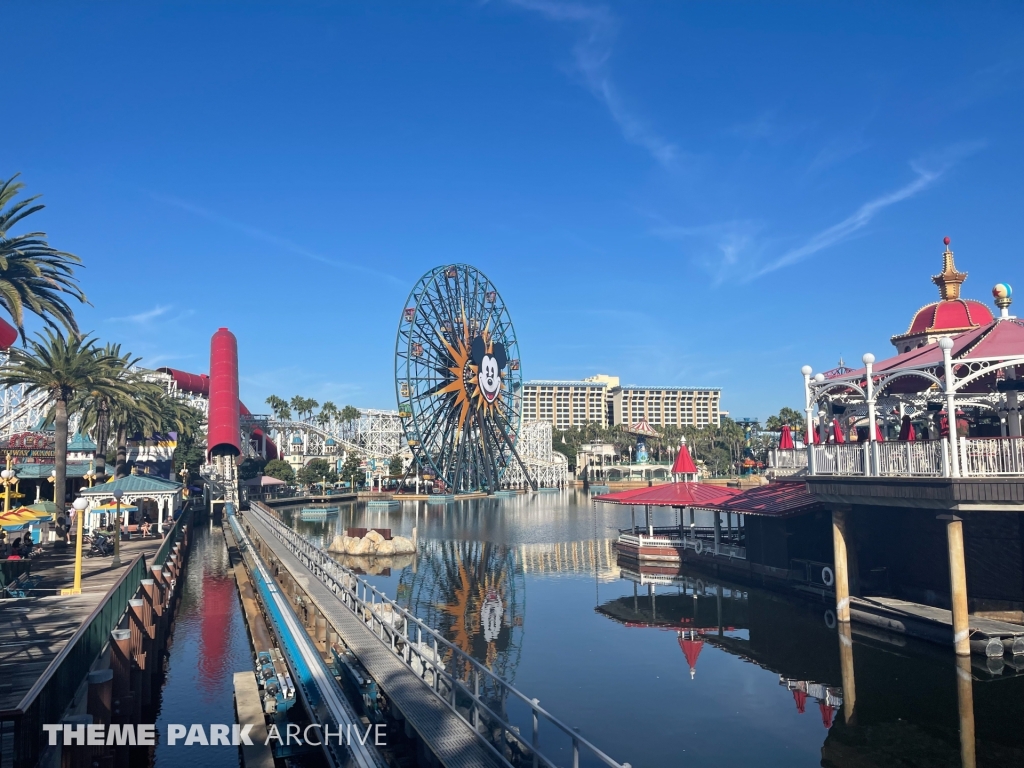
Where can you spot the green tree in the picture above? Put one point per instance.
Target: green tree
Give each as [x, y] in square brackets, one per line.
[143, 415]
[95, 405]
[280, 408]
[349, 414]
[250, 468]
[789, 416]
[397, 467]
[328, 412]
[279, 470]
[33, 275]
[350, 469]
[315, 471]
[303, 406]
[62, 367]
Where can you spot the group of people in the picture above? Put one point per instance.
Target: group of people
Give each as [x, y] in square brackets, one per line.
[19, 549]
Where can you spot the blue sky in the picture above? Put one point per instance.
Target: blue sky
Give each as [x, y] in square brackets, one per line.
[695, 194]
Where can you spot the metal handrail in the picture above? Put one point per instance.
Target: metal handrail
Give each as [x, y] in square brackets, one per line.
[351, 584]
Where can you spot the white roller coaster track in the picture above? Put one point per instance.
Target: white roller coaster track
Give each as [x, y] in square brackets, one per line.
[376, 434]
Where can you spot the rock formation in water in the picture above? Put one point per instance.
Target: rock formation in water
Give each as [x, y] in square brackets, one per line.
[371, 545]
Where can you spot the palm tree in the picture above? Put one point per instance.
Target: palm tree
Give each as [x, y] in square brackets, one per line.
[95, 406]
[328, 412]
[62, 367]
[33, 275]
[142, 415]
[282, 412]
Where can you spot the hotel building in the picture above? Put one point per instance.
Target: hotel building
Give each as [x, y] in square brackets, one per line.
[602, 400]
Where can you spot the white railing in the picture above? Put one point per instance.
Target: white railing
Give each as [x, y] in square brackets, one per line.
[902, 459]
[991, 456]
[795, 458]
[460, 681]
[839, 459]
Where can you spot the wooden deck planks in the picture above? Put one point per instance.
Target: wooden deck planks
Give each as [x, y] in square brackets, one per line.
[33, 630]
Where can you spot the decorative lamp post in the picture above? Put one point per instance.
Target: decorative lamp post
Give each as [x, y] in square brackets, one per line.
[80, 505]
[117, 533]
[53, 479]
[90, 475]
[9, 478]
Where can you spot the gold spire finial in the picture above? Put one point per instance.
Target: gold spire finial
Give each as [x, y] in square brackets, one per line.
[949, 280]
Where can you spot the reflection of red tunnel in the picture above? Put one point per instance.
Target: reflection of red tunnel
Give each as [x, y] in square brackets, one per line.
[197, 384]
[218, 604]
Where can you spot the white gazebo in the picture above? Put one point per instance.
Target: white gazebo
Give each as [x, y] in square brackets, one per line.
[945, 409]
[164, 495]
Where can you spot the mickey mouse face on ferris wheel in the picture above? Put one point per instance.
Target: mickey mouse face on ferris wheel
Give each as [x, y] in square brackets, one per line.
[489, 365]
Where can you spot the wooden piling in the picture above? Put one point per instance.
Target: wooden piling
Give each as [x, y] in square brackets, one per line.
[842, 572]
[958, 584]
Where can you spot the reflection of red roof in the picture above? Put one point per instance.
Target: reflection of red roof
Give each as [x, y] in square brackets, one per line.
[684, 464]
[783, 498]
[672, 495]
[692, 644]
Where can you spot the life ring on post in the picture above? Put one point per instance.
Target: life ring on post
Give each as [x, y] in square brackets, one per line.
[827, 577]
[698, 546]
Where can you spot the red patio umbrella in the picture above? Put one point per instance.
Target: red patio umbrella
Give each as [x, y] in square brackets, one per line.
[786, 439]
[878, 433]
[800, 697]
[907, 430]
[827, 713]
[813, 435]
[838, 429]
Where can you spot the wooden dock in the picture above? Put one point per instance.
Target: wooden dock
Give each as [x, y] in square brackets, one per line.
[450, 739]
[249, 709]
[935, 624]
[34, 629]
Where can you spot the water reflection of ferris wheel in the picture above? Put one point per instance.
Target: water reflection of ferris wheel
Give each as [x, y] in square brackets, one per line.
[474, 592]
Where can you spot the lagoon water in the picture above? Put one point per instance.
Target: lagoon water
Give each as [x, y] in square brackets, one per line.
[693, 671]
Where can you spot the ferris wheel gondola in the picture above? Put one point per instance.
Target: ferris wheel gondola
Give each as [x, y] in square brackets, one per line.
[458, 379]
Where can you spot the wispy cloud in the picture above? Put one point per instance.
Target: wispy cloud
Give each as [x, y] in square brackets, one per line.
[927, 171]
[143, 317]
[721, 245]
[590, 55]
[267, 237]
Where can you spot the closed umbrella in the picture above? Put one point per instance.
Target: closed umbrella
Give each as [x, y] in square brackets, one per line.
[786, 439]
[878, 433]
[907, 430]
[838, 431]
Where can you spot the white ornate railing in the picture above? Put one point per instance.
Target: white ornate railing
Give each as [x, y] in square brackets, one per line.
[901, 459]
[841, 459]
[991, 456]
[795, 458]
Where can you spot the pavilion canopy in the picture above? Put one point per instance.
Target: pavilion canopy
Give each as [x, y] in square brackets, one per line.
[782, 498]
[643, 428]
[671, 495]
[684, 463]
[1001, 339]
[263, 481]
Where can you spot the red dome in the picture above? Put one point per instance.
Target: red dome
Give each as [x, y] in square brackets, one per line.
[952, 315]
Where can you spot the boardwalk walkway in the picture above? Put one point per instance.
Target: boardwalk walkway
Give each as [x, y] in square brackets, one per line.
[449, 738]
[34, 629]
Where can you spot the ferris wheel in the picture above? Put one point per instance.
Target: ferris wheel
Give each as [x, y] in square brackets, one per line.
[458, 381]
